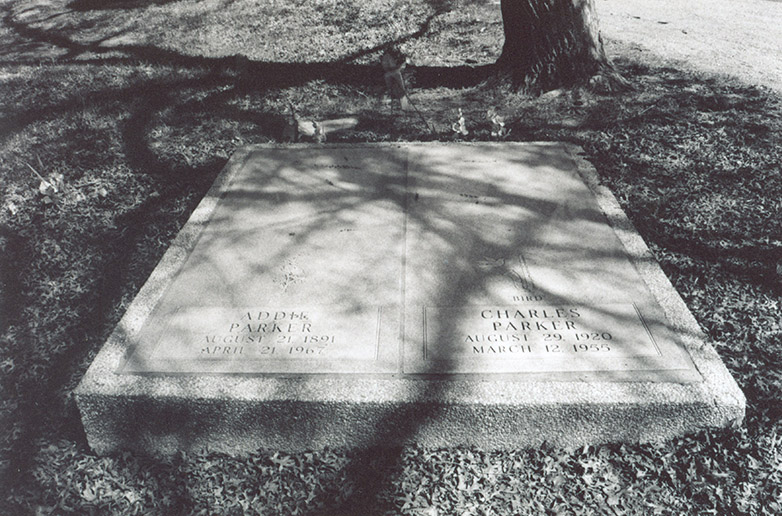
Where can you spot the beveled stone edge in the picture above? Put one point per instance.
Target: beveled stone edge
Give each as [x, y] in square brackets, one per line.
[100, 379]
[682, 321]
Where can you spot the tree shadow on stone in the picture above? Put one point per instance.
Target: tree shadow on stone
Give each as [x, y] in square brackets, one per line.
[254, 76]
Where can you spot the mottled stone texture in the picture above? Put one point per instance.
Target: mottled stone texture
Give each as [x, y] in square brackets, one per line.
[405, 254]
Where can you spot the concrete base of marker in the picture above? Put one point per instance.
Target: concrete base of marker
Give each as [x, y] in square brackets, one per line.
[399, 414]
[161, 413]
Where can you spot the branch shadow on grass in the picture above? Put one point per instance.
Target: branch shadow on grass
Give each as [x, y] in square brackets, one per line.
[341, 70]
[100, 5]
[249, 76]
[146, 101]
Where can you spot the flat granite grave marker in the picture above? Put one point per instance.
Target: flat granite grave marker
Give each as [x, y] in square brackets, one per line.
[360, 295]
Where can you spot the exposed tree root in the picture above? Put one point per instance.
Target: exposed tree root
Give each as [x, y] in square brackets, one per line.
[609, 80]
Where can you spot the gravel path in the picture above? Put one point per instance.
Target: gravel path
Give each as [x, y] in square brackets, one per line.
[742, 38]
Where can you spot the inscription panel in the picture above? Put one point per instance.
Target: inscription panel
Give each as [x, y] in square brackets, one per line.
[265, 339]
[295, 271]
[406, 260]
[512, 267]
[541, 331]
[537, 338]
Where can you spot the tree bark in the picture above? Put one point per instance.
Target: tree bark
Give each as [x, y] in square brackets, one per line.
[551, 43]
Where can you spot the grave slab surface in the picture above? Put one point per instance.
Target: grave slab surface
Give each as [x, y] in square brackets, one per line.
[442, 294]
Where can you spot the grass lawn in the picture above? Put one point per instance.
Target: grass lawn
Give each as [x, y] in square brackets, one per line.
[116, 116]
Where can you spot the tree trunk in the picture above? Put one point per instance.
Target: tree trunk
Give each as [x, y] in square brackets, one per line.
[551, 43]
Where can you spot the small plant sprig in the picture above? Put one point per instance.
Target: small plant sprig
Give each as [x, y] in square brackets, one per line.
[393, 63]
[460, 126]
[498, 129]
[50, 187]
[53, 188]
[297, 129]
[320, 133]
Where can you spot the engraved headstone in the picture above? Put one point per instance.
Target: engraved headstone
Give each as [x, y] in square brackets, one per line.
[489, 294]
[297, 271]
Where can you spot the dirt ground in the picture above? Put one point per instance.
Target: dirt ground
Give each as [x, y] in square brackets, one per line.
[742, 38]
